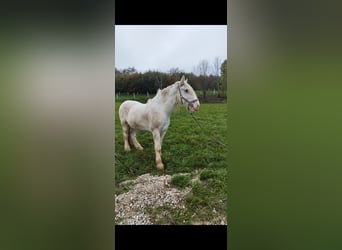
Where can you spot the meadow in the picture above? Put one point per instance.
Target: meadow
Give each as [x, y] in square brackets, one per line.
[186, 149]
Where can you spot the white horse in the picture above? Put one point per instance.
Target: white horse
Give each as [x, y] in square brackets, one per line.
[154, 116]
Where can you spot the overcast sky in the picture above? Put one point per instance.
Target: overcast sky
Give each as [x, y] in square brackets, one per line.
[163, 47]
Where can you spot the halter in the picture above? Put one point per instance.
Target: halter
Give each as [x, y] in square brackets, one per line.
[190, 103]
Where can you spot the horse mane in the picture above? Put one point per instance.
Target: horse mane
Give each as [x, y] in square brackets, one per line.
[161, 93]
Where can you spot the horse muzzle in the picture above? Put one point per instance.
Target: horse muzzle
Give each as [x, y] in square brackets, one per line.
[194, 106]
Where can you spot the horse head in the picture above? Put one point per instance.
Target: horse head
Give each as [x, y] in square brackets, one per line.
[187, 95]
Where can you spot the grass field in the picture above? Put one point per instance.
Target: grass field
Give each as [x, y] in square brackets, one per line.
[186, 149]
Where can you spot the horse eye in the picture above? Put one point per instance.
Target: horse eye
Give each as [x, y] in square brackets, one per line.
[186, 90]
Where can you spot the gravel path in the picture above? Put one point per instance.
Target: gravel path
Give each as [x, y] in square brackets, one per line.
[146, 191]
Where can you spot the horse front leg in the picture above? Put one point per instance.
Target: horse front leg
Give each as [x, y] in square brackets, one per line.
[157, 148]
[162, 137]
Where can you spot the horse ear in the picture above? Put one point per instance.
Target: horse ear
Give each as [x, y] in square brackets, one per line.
[183, 78]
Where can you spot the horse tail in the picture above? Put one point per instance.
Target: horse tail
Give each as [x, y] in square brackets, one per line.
[123, 111]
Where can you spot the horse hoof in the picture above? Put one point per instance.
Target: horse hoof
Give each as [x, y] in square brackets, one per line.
[127, 149]
[160, 166]
[140, 148]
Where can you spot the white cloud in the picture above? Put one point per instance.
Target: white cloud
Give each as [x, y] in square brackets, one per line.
[164, 47]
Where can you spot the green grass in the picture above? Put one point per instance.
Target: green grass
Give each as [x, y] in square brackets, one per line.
[181, 180]
[186, 149]
[207, 174]
[124, 188]
[167, 215]
[207, 198]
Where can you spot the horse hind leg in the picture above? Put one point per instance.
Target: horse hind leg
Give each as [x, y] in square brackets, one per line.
[126, 132]
[134, 140]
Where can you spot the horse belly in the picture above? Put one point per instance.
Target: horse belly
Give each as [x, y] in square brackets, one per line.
[138, 118]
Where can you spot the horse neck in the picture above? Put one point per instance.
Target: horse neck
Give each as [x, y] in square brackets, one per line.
[167, 98]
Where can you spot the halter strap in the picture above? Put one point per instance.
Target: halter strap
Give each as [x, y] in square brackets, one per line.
[183, 98]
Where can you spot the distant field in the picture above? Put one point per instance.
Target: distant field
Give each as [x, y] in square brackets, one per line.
[186, 149]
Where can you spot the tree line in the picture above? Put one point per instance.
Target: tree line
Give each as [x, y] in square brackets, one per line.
[131, 81]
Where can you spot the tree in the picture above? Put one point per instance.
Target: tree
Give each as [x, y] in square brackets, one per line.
[130, 81]
[216, 71]
[130, 70]
[175, 74]
[223, 79]
[173, 71]
[159, 81]
[216, 66]
[203, 68]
